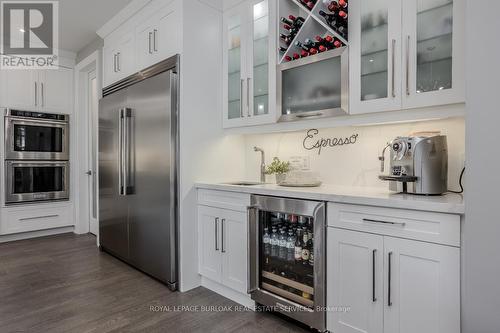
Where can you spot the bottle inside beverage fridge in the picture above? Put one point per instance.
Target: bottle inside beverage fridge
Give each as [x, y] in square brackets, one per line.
[266, 239]
[274, 237]
[298, 245]
[305, 248]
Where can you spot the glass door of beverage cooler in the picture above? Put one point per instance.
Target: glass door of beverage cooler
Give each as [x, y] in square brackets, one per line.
[287, 257]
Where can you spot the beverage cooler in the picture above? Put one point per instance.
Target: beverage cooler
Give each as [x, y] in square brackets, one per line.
[287, 257]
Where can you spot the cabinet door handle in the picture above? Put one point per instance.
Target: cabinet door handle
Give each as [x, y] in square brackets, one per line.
[154, 40]
[374, 293]
[38, 217]
[118, 64]
[43, 94]
[150, 37]
[393, 64]
[253, 272]
[408, 66]
[402, 224]
[36, 93]
[389, 274]
[223, 234]
[249, 80]
[242, 82]
[114, 62]
[216, 224]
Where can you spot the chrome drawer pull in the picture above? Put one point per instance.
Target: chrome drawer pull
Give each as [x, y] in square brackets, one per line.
[402, 224]
[38, 217]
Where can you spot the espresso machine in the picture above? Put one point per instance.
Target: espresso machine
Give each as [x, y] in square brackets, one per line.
[418, 165]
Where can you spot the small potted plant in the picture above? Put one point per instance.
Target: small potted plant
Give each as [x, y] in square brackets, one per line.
[278, 168]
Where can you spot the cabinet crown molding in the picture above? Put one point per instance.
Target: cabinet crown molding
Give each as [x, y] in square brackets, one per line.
[130, 10]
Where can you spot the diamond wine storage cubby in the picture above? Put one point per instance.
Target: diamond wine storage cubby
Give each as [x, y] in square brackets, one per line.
[313, 25]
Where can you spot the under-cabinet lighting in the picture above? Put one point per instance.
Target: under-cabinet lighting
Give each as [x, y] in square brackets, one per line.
[22, 30]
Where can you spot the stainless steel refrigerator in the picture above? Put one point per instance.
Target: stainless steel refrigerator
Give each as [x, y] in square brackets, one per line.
[138, 162]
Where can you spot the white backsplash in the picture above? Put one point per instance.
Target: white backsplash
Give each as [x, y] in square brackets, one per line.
[354, 164]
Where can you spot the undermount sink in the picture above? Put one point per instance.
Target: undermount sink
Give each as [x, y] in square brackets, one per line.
[244, 183]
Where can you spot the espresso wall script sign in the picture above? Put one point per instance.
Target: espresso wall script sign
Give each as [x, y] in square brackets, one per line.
[312, 141]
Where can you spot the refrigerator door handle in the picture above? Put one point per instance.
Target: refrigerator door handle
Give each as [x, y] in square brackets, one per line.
[127, 170]
[252, 248]
[120, 152]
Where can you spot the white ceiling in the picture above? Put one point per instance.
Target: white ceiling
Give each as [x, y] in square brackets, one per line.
[80, 19]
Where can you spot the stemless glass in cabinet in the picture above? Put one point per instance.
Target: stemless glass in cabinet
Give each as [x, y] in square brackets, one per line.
[260, 41]
[234, 67]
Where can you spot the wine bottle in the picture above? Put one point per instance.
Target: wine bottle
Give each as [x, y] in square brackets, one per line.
[333, 6]
[305, 249]
[288, 58]
[298, 247]
[343, 4]
[286, 38]
[297, 21]
[283, 49]
[296, 56]
[287, 21]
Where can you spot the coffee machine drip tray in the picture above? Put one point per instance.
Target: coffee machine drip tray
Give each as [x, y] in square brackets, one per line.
[402, 179]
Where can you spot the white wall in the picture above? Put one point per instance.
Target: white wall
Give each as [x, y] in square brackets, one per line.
[481, 299]
[205, 152]
[358, 164]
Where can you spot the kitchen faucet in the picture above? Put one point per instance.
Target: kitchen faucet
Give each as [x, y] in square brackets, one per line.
[262, 163]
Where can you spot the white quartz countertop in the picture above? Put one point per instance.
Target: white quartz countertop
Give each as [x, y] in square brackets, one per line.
[449, 203]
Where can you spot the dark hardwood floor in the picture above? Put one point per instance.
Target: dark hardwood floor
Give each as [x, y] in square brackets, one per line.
[65, 284]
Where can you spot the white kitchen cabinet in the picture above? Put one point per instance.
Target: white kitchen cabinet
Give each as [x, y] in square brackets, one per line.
[405, 54]
[222, 246]
[234, 250]
[355, 279]
[57, 90]
[249, 60]
[20, 89]
[434, 48]
[48, 90]
[158, 37]
[392, 284]
[26, 219]
[210, 263]
[119, 57]
[424, 290]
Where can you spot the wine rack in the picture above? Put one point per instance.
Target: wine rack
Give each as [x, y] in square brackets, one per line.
[313, 25]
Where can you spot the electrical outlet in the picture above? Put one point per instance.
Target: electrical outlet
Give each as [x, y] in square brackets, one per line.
[301, 163]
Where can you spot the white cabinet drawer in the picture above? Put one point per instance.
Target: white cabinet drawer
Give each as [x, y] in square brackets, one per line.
[224, 199]
[17, 220]
[425, 226]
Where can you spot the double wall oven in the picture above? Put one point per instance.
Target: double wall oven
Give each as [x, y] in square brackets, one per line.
[287, 258]
[36, 165]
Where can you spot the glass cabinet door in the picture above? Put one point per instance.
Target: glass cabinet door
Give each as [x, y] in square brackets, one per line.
[433, 54]
[375, 55]
[286, 256]
[234, 63]
[259, 104]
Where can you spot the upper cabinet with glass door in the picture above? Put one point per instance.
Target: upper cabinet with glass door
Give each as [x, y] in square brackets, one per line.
[405, 54]
[434, 67]
[249, 64]
[375, 52]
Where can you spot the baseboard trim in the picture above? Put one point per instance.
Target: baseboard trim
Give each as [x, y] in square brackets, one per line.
[242, 299]
[36, 234]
